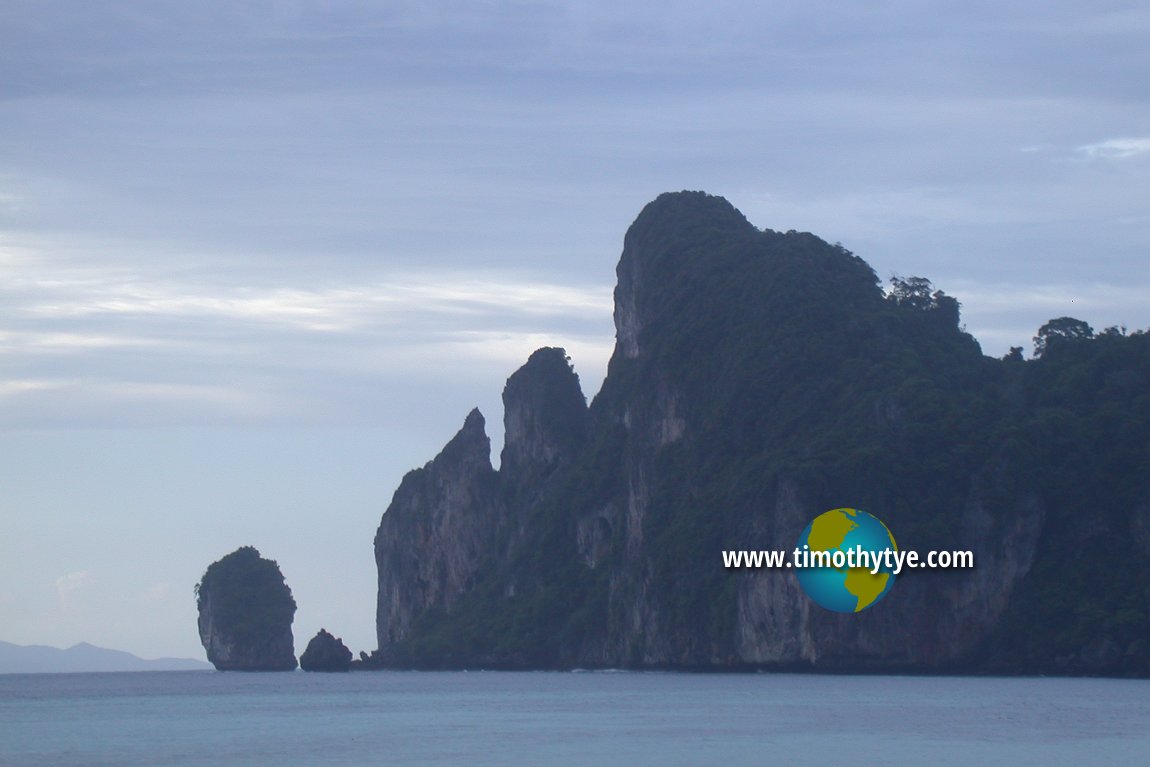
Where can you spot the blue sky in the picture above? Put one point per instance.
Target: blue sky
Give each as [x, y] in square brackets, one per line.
[261, 259]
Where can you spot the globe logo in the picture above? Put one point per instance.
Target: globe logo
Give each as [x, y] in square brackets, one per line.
[841, 560]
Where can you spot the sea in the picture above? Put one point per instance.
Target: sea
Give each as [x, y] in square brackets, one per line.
[573, 718]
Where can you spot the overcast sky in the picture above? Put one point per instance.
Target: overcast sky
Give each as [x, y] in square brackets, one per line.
[260, 259]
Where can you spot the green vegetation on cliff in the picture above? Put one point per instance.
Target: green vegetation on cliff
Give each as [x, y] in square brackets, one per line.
[245, 613]
[759, 372]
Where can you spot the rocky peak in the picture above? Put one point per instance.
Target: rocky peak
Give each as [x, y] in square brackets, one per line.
[439, 528]
[470, 448]
[544, 417]
[675, 236]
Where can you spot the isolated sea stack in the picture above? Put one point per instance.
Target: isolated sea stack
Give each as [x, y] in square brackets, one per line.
[325, 653]
[246, 611]
[761, 378]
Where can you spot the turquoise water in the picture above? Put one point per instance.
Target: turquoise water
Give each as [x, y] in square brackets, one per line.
[490, 718]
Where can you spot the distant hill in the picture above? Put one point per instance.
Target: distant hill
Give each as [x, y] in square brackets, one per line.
[40, 659]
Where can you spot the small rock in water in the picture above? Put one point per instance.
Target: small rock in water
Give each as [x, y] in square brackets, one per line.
[325, 653]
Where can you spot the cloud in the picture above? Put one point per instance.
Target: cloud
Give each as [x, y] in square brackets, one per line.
[327, 309]
[69, 586]
[1065, 297]
[228, 212]
[158, 592]
[1116, 149]
[589, 353]
[1005, 315]
[23, 386]
[129, 347]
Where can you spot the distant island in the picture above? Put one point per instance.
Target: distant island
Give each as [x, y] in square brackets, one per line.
[760, 378]
[83, 657]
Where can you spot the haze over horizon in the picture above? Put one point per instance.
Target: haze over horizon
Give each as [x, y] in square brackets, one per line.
[260, 261]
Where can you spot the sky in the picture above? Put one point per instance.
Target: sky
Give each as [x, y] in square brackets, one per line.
[258, 260]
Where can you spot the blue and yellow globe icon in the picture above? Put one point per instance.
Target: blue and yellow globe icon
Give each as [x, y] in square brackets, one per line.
[854, 572]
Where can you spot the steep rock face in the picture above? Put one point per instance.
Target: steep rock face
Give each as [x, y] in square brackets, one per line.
[664, 248]
[695, 250]
[544, 418]
[760, 378]
[456, 517]
[777, 624]
[437, 531]
[245, 614]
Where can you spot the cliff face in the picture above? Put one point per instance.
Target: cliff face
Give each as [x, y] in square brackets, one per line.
[545, 419]
[245, 614]
[452, 520]
[759, 379]
[439, 530]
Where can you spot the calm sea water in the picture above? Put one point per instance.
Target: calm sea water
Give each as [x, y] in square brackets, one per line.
[489, 718]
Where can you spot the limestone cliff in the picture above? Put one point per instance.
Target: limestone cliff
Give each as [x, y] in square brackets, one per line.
[456, 517]
[245, 614]
[439, 529]
[760, 378]
[544, 419]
